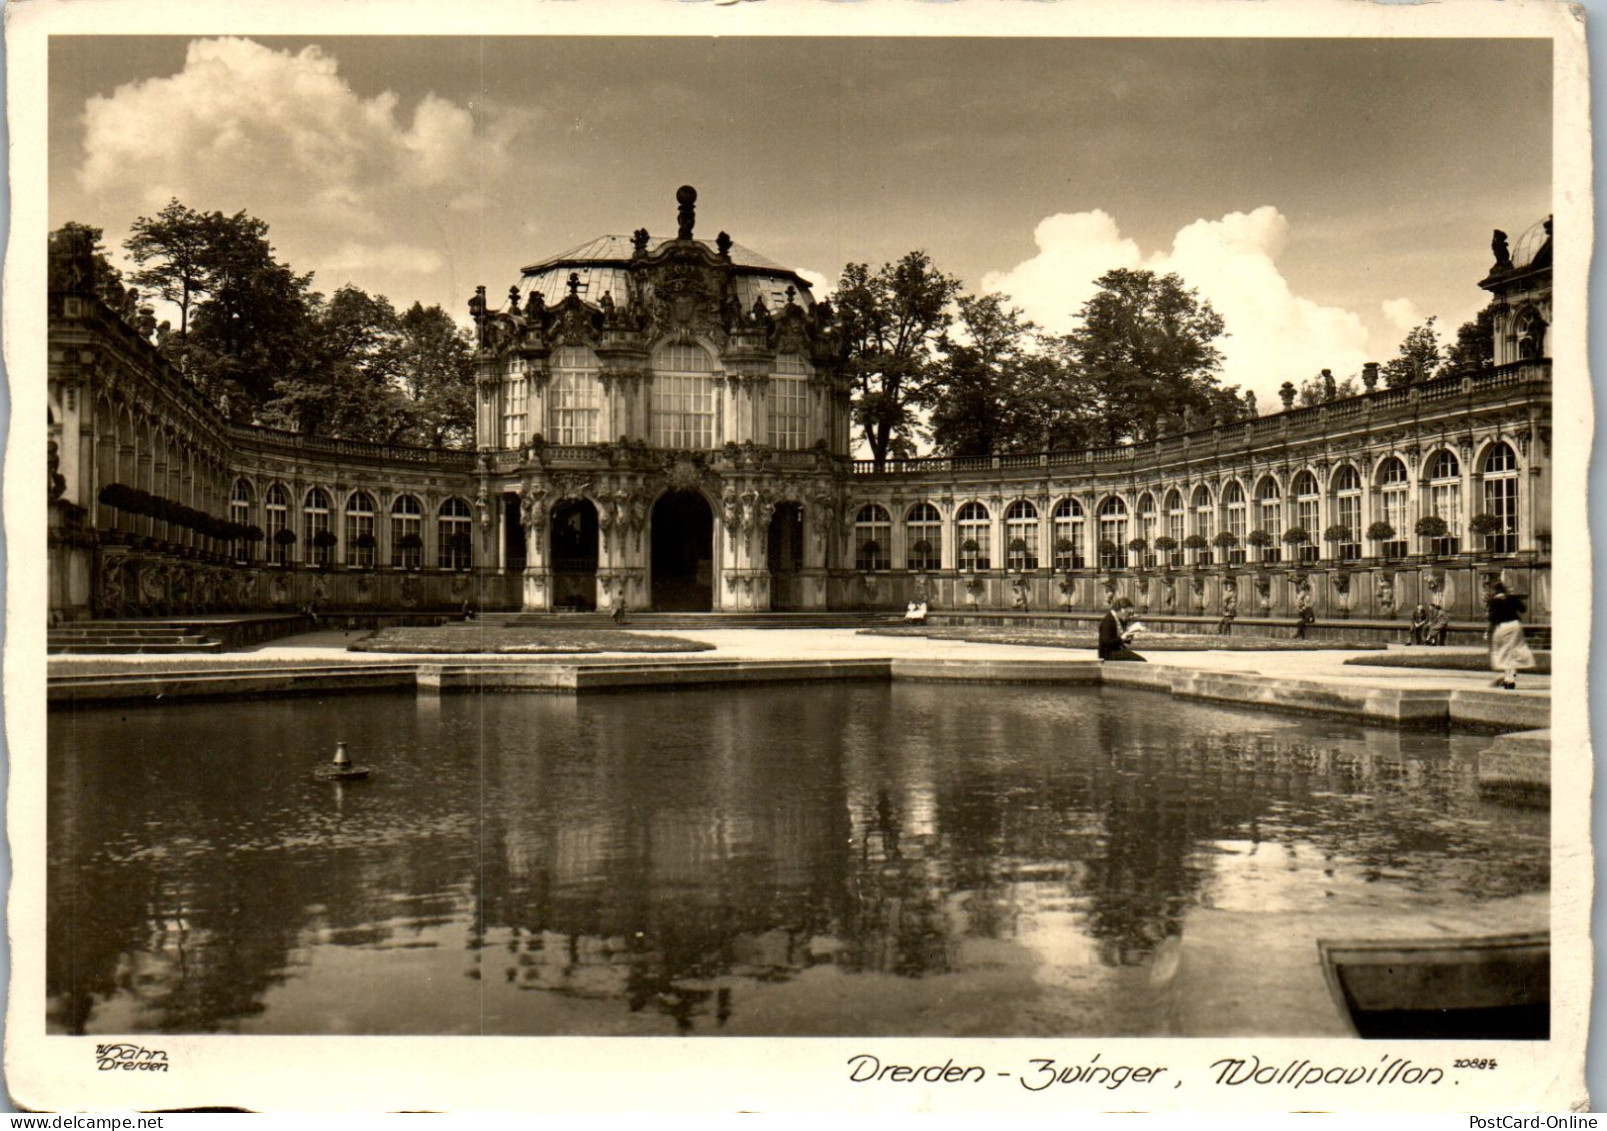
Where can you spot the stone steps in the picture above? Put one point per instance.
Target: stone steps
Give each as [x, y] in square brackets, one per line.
[128, 638]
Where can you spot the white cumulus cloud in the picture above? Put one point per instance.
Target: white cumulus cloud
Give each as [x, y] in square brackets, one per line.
[283, 137]
[1274, 335]
[1402, 313]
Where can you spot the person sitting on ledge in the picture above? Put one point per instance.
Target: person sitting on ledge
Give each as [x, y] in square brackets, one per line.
[1419, 630]
[1439, 626]
[915, 613]
[1114, 635]
[619, 611]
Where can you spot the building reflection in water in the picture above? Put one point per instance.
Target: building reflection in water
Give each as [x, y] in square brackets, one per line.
[666, 862]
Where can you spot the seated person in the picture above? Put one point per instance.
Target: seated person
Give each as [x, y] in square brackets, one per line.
[1419, 626]
[1439, 626]
[916, 612]
[1115, 633]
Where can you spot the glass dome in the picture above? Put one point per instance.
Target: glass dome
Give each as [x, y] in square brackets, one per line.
[1533, 247]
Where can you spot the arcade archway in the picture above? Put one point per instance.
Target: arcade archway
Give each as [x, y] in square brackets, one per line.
[785, 550]
[574, 555]
[683, 552]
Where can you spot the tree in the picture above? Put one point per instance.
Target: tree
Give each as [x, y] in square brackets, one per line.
[175, 250]
[1145, 347]
[438, 377]
[78, 262]
[250, 330]
[889, 322]
[348, 381]
[1324, 388]
[1419, 359]
[1474, 349]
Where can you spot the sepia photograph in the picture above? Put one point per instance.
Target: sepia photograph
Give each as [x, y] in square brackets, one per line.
[965, 550]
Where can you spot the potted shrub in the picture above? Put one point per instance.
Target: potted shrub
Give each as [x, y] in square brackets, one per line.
[968, 552]
[1380, 534]
[1435, 530]
[1166, 546]
[411, 541]
[1138, 546]
[1064, 549]
[286, 538]
[1336, 533]
[1260, 539]
[1487, 526]
[868, 553]
[1225, 540]
[922, 550]
[1016, 553]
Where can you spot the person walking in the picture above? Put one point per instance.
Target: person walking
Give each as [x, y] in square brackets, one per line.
[1114, 635]
[1508, 649]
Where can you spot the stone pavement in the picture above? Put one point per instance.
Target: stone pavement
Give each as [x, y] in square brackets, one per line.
[329, 646]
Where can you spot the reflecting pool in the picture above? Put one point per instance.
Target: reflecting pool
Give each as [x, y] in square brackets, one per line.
[816, 859]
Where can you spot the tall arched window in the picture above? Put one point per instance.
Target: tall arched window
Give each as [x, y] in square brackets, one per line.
[1021, 535]
[923, 537]
[1176, 525]
[514, 406]
[789, 403]
[1347, 513]
[360, 540]
[1269, 518]
[276, 517]
[973, 534]
[1394, 491]
[1204, 522]
[1148, 527]
[1308, 514]
[1445, 500]
[316, 539]
[1235, 513]
[1112, 533]
[240, 512]
[685, 401]
[454, 538]
[574, 397]
[407, 533]
[1501, 499]
[873, 538]
[1068, 524]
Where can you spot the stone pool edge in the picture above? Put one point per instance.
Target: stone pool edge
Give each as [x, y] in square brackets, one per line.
[1463, 708]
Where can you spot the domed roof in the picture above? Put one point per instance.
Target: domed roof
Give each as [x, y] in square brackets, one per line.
[1533, 247]
[602, 265]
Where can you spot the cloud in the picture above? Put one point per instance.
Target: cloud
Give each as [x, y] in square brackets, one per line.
[1275, 335]
[820, 284]
[1402, 313]
[282, 136]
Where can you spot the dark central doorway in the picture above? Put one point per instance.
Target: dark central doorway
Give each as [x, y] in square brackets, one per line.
[786, 556]
[574, 556]
[683, 553]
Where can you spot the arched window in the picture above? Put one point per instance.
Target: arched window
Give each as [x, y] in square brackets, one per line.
[407, 533]
[1394, 491]
[1445, 500]
[923, 537]
[1501, 499]
[1176, 523]
[1235, 513]
[684, 398]
[514, 406]
[240, 512]
[973, 534]
[1068, 523]
[1204, 523]
[1347, 513]
[316, 539]
[1148, 527]
[1021, 535]
[574, 398]
[276, 517]
[360, 540]
[789, 403]
[1308, 514]
[1269, 518]
[873, 538]
[453, 538]
[1112, 533]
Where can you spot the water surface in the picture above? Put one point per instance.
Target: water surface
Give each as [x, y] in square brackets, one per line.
[815, 859]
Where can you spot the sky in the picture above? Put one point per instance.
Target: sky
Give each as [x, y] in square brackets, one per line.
[1324, 195]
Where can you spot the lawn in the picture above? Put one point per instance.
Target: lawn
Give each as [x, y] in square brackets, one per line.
[1432, 659]
[473, 639]
[1146, 641]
